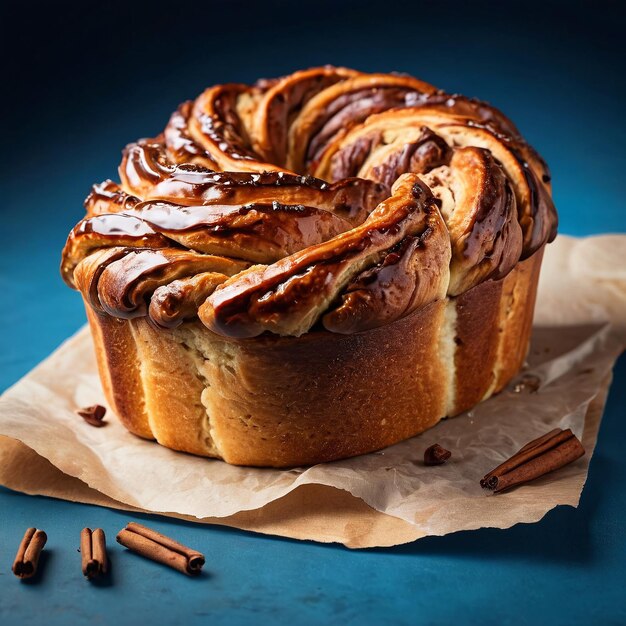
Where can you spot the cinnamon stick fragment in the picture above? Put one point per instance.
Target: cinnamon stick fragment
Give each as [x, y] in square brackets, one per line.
[93, 553]
[93, 415]
[153, 545]
[436, 455]
[27, 557]
[537, 458]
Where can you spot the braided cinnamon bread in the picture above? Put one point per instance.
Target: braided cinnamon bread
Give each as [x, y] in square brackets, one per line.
[312, 267]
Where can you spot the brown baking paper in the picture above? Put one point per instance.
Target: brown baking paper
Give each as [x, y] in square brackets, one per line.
[380, 499]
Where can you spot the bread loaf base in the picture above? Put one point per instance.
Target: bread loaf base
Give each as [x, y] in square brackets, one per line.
[284, 401]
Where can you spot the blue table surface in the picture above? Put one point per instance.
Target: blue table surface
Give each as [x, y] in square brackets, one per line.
[568, 568]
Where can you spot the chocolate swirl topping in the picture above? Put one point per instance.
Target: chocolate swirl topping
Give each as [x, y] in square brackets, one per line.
[328, 198]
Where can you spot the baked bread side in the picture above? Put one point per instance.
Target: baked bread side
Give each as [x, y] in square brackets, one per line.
[283, 402]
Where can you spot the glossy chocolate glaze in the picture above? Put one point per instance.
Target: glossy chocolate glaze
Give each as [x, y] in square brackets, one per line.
[346, 104]
[179, 300]
[214, 116]
[541, 222]
[408, 276]
[125, 282]
[536, 212]
[471, 108]
[108, 197]
[428, 152]
[86, 275]
[350, 159]
[146, 171]
[353, 108]
[282, 103]
[248, 305]
[489, 243]
[211, 195]
[108, 230]
[180, 144]
[255, 232]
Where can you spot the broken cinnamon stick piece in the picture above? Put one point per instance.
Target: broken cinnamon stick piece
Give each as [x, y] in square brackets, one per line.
[93, 415]
[436, 455]
[537, 458]
[93, 553]
[27, 557]
[153, 545]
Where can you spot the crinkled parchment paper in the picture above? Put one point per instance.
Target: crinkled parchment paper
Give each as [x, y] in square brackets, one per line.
[379, 499]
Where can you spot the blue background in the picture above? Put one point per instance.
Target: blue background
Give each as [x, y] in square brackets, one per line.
[84, 80]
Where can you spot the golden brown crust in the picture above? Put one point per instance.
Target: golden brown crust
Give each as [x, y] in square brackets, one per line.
[173, 387]
[280, 402]
[282, 427]
[120, 370]
[517, 306]
[267, 317]
[476, 342]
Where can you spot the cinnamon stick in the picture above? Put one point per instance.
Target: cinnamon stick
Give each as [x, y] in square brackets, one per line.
[436, 455]
[540, 440]
[27, 557]
[93, 415]
[153, 545]
[537, 458]
[93, 553]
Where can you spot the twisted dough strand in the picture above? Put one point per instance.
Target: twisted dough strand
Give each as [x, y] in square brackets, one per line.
[362, 196]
